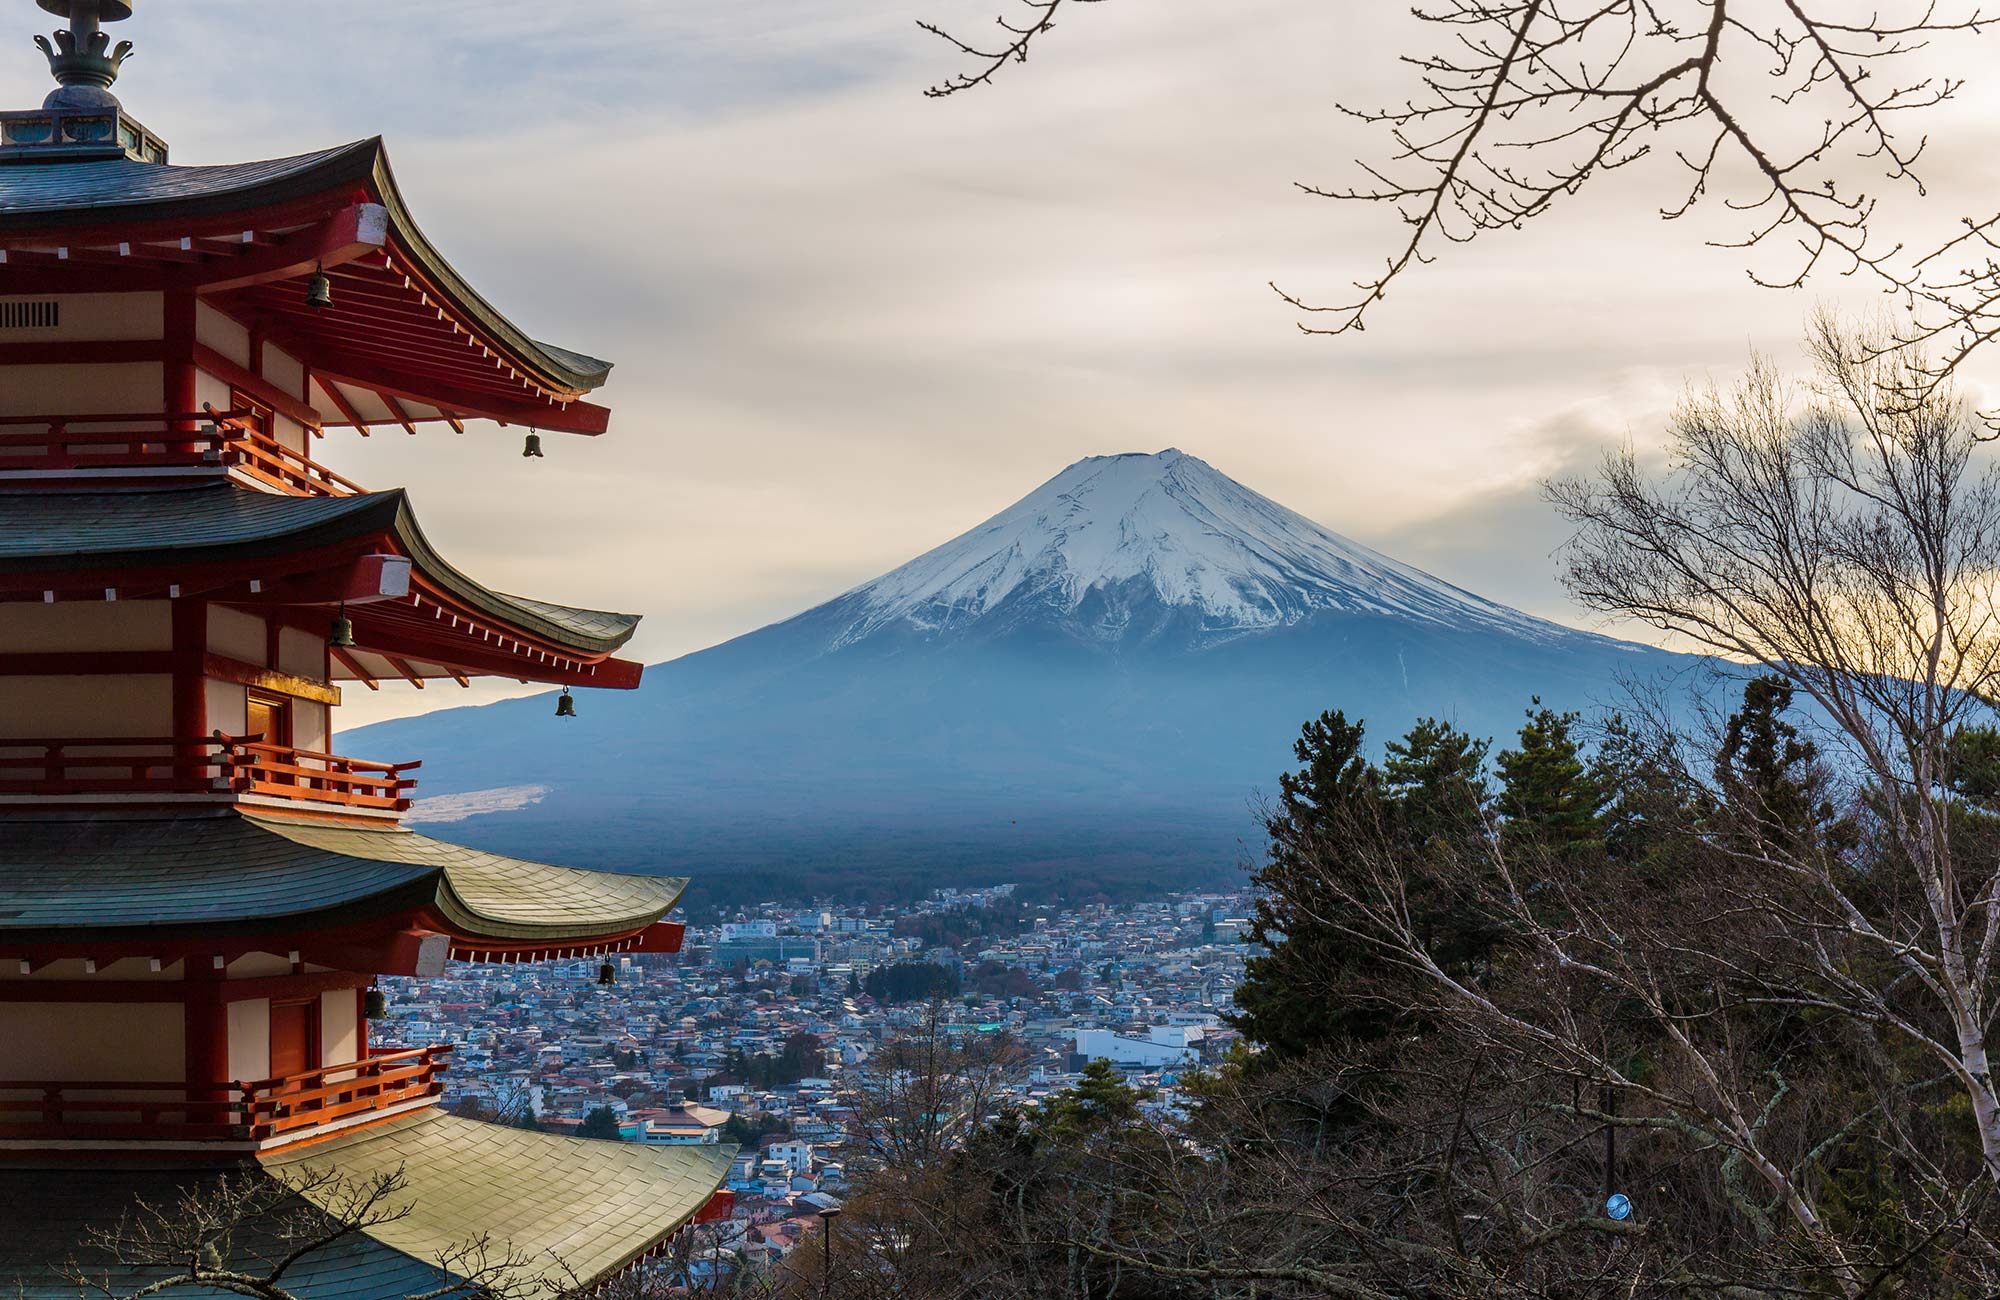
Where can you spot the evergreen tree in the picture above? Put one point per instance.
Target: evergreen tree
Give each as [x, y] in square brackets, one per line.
[1769, 777]
[1434, 782]
[1100, 1100]
[1284, 1000]
[1436, 775]
[1651, 797]
[1548, 795]
[599, 1123]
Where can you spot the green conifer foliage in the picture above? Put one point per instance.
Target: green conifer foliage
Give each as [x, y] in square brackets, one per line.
[1548, 795]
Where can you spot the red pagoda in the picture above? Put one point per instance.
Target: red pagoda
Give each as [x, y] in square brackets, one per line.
[197, 889]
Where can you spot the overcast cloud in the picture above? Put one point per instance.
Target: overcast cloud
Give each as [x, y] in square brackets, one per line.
[850, 322]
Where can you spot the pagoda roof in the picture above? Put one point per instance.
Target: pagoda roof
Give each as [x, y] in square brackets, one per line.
[219, 535]
[187, 876]
[244, 236]
[595, 1206]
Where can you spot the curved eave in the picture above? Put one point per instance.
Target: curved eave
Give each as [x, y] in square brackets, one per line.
[598, 632]
[168, 879]
[101, 200]
[138, 541]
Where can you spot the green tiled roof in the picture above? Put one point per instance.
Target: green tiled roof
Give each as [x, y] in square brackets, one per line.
[49, 532]
[593, 1205]
[75, 877]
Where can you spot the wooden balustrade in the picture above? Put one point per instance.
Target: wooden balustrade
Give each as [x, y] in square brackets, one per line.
[220, 764]
[286, 772]
[73, 1110]
[231, 439]
[120, 765]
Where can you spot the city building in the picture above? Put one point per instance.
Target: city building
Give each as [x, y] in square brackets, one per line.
[198, 892]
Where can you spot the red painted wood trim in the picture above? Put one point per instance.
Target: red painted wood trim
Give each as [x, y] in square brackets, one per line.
[190, 687]
[180, 383]
[258, 387]
[89, 352]
[310, 984]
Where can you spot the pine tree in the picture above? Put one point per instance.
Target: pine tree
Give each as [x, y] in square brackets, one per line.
[1436, 776]
[601, 1122]
[1769, 776]
[1548, 795]
[1284, 1000]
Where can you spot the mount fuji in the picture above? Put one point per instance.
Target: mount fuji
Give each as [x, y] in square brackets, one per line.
[1093, 686]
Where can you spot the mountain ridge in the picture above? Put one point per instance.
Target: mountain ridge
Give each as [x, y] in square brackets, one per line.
[1096, 683]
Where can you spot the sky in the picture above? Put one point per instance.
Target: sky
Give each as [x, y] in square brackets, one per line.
[850, 322]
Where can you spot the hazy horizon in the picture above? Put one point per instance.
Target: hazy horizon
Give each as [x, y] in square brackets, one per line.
[850, 322]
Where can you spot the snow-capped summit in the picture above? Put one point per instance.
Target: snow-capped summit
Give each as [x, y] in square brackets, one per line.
[1115, 544]
[1092, 685]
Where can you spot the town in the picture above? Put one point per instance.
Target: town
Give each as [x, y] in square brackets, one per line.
[758, 1032]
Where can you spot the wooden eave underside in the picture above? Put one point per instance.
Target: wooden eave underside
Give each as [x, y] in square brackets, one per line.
[405, 340]
[379, 945]
[430, 634]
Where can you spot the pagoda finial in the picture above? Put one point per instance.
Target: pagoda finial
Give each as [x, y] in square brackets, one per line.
[81, 58]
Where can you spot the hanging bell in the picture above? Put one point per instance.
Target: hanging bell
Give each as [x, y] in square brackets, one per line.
[607, 974]
[533, 446]
[565, 706]
[376, 1005]
[319, 291]
[342, 635]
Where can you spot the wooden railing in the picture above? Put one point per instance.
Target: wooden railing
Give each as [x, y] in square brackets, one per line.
[221, 764]
[74, 1110]
[275, 1107]
[124, 765]
[210, 437]
[286, 772]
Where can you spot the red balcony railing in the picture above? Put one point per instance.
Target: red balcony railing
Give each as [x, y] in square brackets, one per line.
[210, 438]
[218, 765]
[285, 772]
[76, 1110]
[123, 765]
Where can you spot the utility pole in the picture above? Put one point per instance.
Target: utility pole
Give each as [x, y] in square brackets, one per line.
[826, 1218]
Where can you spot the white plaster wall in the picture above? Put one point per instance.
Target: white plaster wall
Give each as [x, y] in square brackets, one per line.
[210, 391]
[124, 707]
[283, 370]
[126, 388]
[309, 726]
[250, 1040]
[87, 625]
[339, 1026]
[226, 711]
[116, 1042]
[236, 634]
[301, 653]
[222, 334]
[259, 965]
[292, 434]
[97, 316]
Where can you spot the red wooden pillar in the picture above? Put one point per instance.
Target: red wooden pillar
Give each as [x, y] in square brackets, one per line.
[205, 1032]
[190, 685]
[182, 392]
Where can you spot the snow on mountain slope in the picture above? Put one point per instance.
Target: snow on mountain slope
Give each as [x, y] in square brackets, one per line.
[1193, 538]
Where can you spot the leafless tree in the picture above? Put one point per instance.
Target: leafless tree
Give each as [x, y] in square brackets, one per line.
[253, 1235]
[1791, 116]
[1851, 547]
